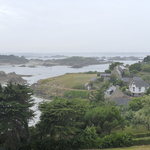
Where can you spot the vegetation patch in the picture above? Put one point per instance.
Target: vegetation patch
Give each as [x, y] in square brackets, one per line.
[68, 85]
[11, 59]
[77, 94]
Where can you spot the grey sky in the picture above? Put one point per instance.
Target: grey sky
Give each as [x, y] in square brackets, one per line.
[74, 26]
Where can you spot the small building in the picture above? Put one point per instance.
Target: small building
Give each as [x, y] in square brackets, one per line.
[111, 90]
[87, 86]
[138, 87]
[105, 75]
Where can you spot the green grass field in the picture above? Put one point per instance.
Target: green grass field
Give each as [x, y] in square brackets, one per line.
[139, 129]
[147, 147]
[69, 80]
[57, 86]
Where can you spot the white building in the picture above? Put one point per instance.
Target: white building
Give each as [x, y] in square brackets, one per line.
[138, 86]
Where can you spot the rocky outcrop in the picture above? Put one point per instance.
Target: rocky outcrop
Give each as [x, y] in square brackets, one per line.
[11, 77]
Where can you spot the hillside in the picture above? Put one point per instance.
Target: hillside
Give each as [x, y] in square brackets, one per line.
[11, 59]
[58, 86]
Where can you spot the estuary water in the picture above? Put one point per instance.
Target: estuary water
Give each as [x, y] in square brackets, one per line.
[42, 72]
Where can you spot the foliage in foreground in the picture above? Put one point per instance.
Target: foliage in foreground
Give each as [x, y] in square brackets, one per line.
[15, 112]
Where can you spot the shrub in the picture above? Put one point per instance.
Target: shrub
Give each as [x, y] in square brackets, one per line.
[123, 89]
[117, 140]
[146, 68]
[107, 71]
[136, 66]
[88, 138]
[76, 94]
[79, 87]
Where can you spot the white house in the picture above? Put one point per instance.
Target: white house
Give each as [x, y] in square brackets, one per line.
[138, 86]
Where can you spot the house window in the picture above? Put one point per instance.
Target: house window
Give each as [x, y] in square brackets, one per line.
[133, 88]
[139, 89]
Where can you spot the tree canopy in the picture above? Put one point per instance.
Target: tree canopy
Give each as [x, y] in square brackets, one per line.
[142, 116]
[104, 118]
[62, 118]
[15, 113]
[146, 59]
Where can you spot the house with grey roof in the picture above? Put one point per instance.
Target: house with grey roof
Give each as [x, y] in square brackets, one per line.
[106, 76]
[116, 95]
[138, 87]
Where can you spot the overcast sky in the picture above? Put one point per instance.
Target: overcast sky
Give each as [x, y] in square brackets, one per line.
[74, 26]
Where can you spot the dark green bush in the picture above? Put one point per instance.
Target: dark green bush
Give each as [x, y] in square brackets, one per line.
[76, 94]
[108, 141]
[79, 87]
[117, 140]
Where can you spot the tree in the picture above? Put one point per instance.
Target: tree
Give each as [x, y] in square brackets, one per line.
[120, 83]
[146, 59]
[113, 79]
[15, 113]
[146, 68]
[148, 91]
[113, 65]
[142, 116]
[97, 97]
[105, 118]
[135, 103]
[88, 138]
[62, 118]
[135, 67]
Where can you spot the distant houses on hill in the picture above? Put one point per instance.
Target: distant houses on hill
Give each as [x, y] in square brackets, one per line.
[136, 85]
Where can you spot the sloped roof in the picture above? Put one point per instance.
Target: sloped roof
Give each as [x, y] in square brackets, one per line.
[139, 82]
[126, 79]
[117, 93]
[121, 100]
[123, 68]
[112, 88]
[105, 74]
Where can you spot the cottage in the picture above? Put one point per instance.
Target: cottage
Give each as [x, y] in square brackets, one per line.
[138, 87]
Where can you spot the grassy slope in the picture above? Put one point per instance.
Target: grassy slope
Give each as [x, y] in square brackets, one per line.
[57, 86]
[139, 129]
[70, 80]
[131, 148]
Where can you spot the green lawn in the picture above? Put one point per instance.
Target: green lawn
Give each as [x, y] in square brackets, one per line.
[69, 80]
[147, 147]
[57, 86]
[139, 129]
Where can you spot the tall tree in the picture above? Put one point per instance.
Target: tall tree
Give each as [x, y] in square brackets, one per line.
[142, 116]
[62, 118]
[105, 118]
[15, 113]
